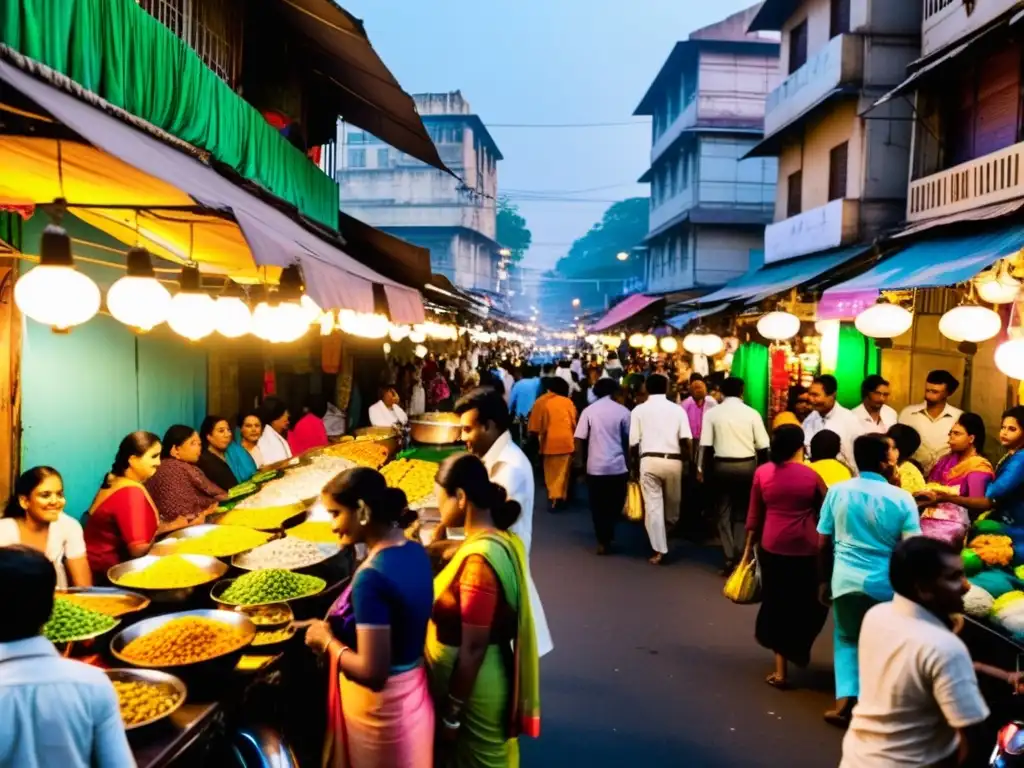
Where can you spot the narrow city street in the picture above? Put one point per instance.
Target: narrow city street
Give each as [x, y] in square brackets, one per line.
[653, 667]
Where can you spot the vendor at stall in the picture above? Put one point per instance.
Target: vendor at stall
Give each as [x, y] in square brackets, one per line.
[965, 468]
[241, 454]
[272, 446]
[386, 411]
[215, 436]
[122, 521]
[309, 432]
[35, 518]
[182, 493]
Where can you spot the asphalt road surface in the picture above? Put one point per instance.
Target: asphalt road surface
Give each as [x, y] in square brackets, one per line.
[653, 667]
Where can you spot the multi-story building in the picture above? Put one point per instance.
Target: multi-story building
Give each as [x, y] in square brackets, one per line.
[709, 205]
[433, 209]
[842, 174]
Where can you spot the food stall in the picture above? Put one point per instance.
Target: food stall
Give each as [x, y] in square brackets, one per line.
[199, 636]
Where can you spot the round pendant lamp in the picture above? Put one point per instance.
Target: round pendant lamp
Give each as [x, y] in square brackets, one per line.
[54, 293]
[138, 299]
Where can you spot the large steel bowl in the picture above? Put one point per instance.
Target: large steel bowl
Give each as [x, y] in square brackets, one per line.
[150, 676]
[435, 428]
[214, 568]
[168, 544]
[389, 437]
[133, 601]
[223, 662]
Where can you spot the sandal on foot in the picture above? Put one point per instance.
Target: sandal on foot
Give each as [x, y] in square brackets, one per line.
[656, 560]
[777, 682]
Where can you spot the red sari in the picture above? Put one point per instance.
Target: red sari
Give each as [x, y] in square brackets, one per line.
[121, 515]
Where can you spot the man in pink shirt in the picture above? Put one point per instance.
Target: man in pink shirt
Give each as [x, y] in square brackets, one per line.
[696, 405]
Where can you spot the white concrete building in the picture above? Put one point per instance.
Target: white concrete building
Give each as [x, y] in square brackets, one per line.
[390, 190]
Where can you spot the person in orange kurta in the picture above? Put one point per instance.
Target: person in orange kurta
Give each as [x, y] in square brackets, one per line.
[554, 419]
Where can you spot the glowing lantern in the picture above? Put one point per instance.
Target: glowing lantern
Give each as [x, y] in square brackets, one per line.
[779, 326]
[138, 299]
[636, 340]
[970, 324]
[669, 345]
[54, 293]
[232, 317]
[884, 321]
[997, 286]
[192, 311]
[1010, 358]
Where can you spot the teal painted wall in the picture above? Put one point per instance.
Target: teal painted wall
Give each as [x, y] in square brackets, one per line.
[82, 392]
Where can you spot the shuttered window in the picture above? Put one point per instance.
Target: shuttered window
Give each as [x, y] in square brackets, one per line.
[838, 160]
[798, 47]
[839, 23]
[794, 193]
[983, 107]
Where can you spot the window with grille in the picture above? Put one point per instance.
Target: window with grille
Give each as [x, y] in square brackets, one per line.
[837, 168]
[798, 47]
[212, 28]
[357, 158]
[794, 193]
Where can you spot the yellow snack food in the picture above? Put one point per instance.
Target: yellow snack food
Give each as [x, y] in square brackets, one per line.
[186, 640]
[414, 476]
[262, 518]
[223, 542]
[172, 572]
[315, 531]
[111, 605]
[141, 702]
[365, 454]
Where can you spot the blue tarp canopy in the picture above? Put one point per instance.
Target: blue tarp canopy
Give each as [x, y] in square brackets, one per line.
[937, 263]
[680, 321]
[771, 279]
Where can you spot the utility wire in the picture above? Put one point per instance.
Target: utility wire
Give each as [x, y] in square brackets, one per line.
[567, 125]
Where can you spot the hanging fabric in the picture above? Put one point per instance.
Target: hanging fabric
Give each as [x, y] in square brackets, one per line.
[857, 359]
[750, 363]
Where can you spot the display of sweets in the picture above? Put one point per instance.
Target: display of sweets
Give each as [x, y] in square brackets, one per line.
[271, 586]
[285, 553]
[185, 640]
[174, 572]
[414, 476]
[363, 453]
[142, 701]
[317, 531]
[111, 605]
[69, 622]
[298, 484]
[264, 518]
[222, 542]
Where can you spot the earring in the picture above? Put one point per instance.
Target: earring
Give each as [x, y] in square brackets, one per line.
[363, 513]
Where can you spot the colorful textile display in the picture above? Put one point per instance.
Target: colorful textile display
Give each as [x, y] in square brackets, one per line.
[750, 363]
[778, 379]
[857, 359]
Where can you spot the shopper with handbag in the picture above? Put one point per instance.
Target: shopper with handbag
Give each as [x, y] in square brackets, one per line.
[602, 435]
[782, 518]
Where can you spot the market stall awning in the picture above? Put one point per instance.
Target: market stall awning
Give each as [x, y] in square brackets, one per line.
[368, 95]
[936, 263]
[624, 310]
[36, 169]
[681, 321]
[775, 278]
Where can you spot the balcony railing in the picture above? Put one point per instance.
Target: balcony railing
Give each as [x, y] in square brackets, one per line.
[994, 178]
[828, 226]
[947, 21]
[841, 62]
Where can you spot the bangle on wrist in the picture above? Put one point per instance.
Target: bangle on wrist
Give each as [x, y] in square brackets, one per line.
[451, 724]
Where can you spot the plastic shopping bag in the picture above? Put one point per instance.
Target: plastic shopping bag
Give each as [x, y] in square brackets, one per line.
[634, 507]
[744, 585]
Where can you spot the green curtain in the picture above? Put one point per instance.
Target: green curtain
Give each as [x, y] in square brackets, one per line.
[750, 363]
[117, 50]
[11, 229]
[857, 359]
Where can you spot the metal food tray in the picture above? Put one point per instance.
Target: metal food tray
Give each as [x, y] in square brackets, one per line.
[214, 568]
[146, 626]
[156, 677]
[166, 546]
[221, 586]
[138, 602]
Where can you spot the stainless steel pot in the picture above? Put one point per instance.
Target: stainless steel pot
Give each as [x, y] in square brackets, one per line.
[436, 428]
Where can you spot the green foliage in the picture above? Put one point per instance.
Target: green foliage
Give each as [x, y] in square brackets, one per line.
[512, 230]
[622, 227]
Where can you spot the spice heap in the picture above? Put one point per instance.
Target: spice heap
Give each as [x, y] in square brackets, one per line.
[142, 701]
[264, 519]
[222, 541]
[187, 640]
[271, 586]
[300, 483]
[414, 476]
[111, 605]
[287, 553]
[316, 531]
[174, 572]
[365, 454]
[70, 622]
[273, 636]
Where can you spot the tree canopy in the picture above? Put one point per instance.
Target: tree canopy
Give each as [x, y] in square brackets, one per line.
[512, 230]
[622, 227]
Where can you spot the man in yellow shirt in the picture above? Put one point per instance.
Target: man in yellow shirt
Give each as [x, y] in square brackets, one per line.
[825, 447]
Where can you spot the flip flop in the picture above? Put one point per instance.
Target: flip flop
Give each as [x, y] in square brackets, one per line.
[776, 682]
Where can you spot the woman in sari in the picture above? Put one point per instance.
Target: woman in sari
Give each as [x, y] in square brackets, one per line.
[482, 646]
[243, 454]
[380, 714]
[184, 496]
[964, 467]
[122, 521]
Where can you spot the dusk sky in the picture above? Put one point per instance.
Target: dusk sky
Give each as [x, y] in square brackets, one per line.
[545, 62]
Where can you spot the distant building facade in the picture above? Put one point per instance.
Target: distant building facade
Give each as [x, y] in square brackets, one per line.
[397, 193]
[709, 206]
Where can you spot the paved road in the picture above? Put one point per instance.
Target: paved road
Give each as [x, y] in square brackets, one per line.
[653, 667]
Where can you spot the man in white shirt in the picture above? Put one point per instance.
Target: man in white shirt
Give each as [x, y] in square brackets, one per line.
[873, 415]
[661, 433]
[386, 411]
[564, 372]
[918, 689]
[933, 418]
[830, 415]
[54, 711]
[732, 439]
[485, 428]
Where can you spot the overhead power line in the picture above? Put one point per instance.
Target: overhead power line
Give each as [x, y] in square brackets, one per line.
[565, 125]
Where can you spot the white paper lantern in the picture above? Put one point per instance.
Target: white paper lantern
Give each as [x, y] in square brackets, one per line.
[669, 345]
[779, 326]
[291, 320]
[54, 293]
[420, 351]
[970, 323]
[263, 322]
[884, 321]
[650, 341]
[997, 286]
[636, 340]
[232, 317]
[398, 332]
[1010, 358]
[192, 313]
[707, 344]
[138, 299]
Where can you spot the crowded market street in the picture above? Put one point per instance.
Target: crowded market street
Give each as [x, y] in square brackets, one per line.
[653, 667]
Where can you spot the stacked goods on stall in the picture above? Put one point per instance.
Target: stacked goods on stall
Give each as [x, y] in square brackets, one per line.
[994, 563]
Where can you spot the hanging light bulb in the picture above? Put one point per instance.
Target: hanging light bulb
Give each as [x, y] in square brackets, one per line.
[232, 317]
[418, 334]
[311, 308]
[327, 323]
[398, 332]
[669, 345]
[997, 286]
[650, 341]
[138, 299]
[701, 342]
[970, 324]
[263, 326]
[420, 351]
[54, 293]
[387, 348]
[636, 340]
[291, 318]
[779, 326]
[884, 321]
[192, 312]
[1009, 358]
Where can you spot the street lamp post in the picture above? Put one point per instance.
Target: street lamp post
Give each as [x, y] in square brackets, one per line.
[575, 302]
[622, 256]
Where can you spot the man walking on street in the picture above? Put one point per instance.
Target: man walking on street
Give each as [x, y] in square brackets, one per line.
[696, 406]
[733, 442]
[661, 433]
[933, 418]
[919, 691]
[828, 414]
[603, 434]
[873, 415]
